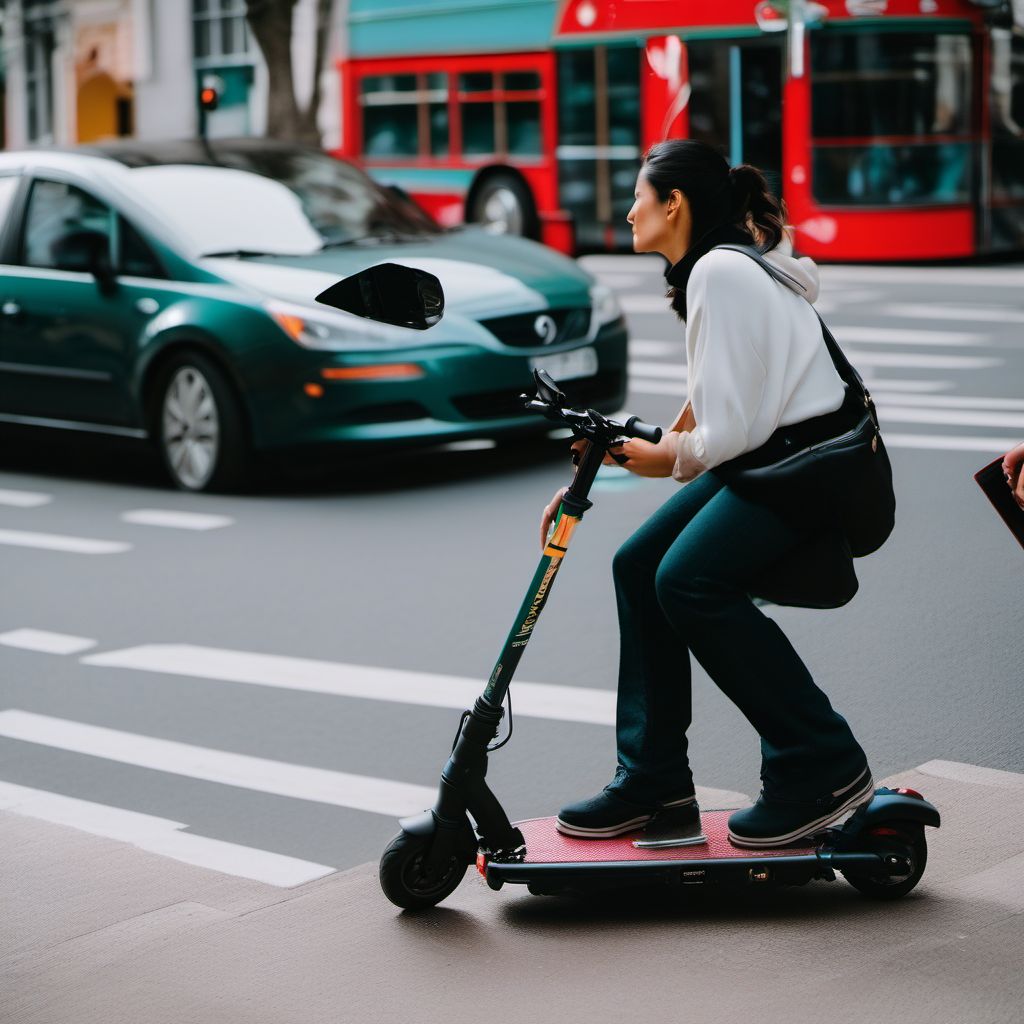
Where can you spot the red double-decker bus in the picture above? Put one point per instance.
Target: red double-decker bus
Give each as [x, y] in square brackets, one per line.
[894, 129]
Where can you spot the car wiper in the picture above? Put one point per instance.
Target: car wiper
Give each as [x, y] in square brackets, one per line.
[240, 253]
[376, 236]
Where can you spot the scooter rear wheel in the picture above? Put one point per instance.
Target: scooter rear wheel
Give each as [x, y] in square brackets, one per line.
[404, 879]
[902, 840]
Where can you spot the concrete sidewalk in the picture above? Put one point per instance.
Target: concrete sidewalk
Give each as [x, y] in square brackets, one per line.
[94, 930]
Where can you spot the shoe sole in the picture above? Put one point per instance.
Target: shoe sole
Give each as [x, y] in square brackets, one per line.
[862, 796]
[580, 832]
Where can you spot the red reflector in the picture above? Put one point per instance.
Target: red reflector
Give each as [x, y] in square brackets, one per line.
[910, 792]
[481, 863]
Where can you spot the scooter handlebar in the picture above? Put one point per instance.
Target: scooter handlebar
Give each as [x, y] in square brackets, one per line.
[635, 427]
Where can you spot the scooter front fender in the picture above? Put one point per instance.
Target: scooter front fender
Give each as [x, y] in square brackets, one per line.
[422, 824]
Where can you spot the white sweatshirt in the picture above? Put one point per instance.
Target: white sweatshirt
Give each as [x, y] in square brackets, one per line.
[757, 360]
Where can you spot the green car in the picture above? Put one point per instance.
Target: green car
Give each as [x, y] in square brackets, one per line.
[165, 291]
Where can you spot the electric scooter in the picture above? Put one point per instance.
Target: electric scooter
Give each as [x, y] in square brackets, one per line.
[881, 849]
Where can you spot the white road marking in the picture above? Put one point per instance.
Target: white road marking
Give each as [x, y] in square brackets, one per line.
[852, 335]
[650, 347]
[972, 314]
[635, 264]
[176, 519]
[299, 782]
[885, 384]
[650, 386]
[24, 499]
[949, 417]
[48, 643]
[57, 542]
[613, 279]
[951, 443]
[536, 700]
[929, 362]
[969, 277]
[660, 371]
[646, 304]
[954, 401]
[160, 836]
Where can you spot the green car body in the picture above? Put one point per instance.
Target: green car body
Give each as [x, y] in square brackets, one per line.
[84, 350]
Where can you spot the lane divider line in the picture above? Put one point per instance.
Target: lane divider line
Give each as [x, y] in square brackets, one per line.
[160, 836]
[45, 641]
[58, 542]
[24, 499]
[176, 519]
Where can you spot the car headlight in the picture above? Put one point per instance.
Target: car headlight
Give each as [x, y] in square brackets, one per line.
[331, 332]
[605, 305]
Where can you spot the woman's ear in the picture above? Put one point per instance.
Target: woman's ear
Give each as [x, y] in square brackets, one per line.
[675, 201]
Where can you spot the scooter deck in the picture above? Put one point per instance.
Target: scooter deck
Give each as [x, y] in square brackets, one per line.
[556, 862]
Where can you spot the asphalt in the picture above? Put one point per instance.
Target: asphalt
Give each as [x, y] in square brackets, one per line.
[95, 930]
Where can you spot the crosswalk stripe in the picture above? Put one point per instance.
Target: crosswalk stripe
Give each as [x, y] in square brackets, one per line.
[951, 443]
[661, 371]
[971, 277]
[535, 700]
[645, 304]
[924, 362]
[176, 519]
[855, 335]
[24, 499]
[951, 401]
[973, 314]
[279, 778]
[48, 643]
[949, 417]
[58, 542]
[650, 347]
[160, 836]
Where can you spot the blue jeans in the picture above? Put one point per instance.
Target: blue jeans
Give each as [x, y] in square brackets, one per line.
[680, 587]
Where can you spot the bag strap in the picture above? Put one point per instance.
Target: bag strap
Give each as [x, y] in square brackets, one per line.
[843, 366]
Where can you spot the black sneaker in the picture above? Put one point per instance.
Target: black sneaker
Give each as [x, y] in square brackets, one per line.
[609, 814]
[778, 822]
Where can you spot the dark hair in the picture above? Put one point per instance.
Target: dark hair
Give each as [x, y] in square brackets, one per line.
[718, 194]
[730, 204]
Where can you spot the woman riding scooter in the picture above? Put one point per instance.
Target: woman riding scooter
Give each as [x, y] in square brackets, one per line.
[757, 364]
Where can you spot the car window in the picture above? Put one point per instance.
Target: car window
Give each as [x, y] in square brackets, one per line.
[137, 258]
[56, 210]
[8, 187]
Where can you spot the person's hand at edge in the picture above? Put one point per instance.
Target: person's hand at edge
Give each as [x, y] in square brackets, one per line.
[1013, 463]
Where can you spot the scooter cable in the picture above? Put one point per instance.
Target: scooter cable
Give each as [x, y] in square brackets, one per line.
[498, 746]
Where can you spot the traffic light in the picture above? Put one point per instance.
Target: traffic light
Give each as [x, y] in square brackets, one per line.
[210, 92]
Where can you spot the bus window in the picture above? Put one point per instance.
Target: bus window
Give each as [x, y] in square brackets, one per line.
[405, 115]
[500, 113]
[1007, 105]
[599, 140]
[891, 118]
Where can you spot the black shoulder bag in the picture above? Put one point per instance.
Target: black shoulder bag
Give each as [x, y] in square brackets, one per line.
[851, 468]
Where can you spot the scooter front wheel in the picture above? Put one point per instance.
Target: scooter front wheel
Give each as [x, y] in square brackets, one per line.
[404, 876]
[904, 840]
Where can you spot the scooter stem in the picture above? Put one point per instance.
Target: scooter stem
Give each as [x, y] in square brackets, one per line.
[463, 786]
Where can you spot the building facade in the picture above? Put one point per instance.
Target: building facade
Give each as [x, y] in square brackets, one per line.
[79, 71]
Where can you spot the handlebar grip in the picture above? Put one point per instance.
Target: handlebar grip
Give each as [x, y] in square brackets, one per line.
[636, 427]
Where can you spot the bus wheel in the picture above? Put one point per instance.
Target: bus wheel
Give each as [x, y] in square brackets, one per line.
[503, 204]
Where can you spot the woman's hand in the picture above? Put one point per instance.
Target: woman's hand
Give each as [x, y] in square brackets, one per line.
[1013, 463]
[548, 516]
[646, 459]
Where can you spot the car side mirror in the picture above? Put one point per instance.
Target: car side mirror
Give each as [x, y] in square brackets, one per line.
[390, 294]
[86, 252]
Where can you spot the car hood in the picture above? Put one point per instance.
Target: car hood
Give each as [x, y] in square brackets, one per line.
[482, 275]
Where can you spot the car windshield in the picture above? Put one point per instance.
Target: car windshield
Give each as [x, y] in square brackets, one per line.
[275, 202]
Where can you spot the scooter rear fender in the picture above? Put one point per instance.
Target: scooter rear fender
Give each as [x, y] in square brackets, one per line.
[888, 806]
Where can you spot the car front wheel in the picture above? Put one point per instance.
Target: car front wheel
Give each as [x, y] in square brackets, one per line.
[200, 426]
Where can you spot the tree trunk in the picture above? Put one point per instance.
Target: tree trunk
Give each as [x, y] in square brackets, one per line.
[271, 24]
[310, 129]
